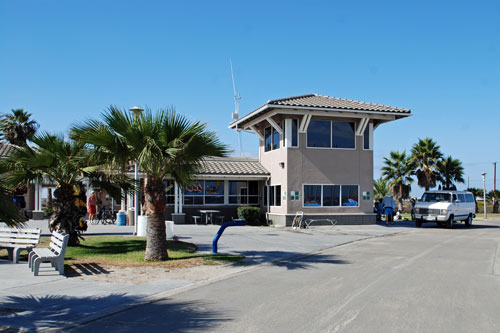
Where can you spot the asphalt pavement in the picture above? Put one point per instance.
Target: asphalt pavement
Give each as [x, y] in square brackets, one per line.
[51, 301]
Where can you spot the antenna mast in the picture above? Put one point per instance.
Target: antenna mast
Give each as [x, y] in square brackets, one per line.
[237, 98]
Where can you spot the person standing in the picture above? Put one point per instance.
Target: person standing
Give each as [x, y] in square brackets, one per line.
[92, 206]
[389, 206]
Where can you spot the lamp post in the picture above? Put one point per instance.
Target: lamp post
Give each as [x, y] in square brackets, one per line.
[137, 112]
[484, 193]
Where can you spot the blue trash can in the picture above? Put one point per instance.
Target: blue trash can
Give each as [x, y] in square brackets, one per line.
[121, 218]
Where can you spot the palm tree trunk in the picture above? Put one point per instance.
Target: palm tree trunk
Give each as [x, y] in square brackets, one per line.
[154, 202]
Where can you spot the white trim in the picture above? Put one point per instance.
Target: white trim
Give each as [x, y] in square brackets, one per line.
[256, 131]
[362, 125]
[275, 125]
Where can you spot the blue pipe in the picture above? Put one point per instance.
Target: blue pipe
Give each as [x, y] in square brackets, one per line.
[234, 223]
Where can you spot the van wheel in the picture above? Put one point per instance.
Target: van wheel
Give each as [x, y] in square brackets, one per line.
[418, 223]
[468, 222]
[449, 224]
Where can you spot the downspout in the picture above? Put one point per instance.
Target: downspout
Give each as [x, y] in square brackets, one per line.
[268, 198]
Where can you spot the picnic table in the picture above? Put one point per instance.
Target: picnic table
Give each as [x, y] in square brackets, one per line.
[208, 212]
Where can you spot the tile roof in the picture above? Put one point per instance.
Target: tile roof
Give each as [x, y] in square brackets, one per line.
[321, 101]
[5, 149]
[232, 166]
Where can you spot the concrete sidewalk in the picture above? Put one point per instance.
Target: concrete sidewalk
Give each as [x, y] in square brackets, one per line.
[53, 301]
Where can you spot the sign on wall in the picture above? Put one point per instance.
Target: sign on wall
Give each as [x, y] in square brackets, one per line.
[294, 195]
[366, 195]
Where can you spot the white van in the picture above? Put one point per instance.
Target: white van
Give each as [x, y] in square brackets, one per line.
[445, 207]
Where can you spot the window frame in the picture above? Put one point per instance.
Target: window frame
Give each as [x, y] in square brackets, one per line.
[272, 136]
[340, 196]
[331, 135]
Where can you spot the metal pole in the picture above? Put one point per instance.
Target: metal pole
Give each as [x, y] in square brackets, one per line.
[494, 176]
[136, 197]
[484, 194]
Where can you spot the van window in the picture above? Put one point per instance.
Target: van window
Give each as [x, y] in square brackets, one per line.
[461, 197]
[436, 197]
[469, 197]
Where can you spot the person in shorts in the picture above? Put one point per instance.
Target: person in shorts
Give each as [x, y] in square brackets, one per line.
[92, 206]
[389, 206]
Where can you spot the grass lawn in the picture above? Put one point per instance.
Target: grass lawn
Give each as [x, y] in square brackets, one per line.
[129, 251]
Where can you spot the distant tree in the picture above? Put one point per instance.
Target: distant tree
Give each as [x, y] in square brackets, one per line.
[425, 154]
[493, 196]
[449, 172]
[398, 171]
[380, 188]
[477, 192]
[17, 128]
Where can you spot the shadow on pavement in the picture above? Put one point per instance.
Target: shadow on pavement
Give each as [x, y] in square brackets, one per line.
[291, 260]
[84, 269]
[31, 312]
[434, 225]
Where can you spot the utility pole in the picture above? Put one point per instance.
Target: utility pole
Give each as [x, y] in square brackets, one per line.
[495, 199]
[484, 193]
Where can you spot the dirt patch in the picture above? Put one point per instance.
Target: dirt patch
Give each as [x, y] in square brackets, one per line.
[144, 274]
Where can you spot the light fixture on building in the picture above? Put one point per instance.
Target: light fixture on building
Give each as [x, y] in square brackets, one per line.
[282, 165]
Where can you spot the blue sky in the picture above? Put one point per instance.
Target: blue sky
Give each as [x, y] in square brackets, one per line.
[66, 61]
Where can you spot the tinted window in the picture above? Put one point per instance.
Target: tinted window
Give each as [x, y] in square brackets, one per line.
[461, 197]
[318, 134]
[295, 133]
[253, 187]
[343, 134]
[276, 139]
[331, 195]
[267, 139]
[366, 137]
[312, 195]
[350, 195]
[469, 197]
[277, 194]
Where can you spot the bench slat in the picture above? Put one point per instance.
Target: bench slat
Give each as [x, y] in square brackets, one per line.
[55, 248]
[18, 241]
[56, 241]
[16, 230]
[19, 234]
[58, 235]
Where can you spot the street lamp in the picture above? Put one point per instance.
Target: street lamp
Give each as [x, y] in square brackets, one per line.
[484, 193]
[136, 110]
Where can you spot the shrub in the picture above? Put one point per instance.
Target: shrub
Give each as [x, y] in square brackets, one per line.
[250, 214]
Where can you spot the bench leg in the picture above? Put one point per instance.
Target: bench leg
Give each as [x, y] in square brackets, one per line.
[17, 251]
[31, 259]
[36, 265]
[59, 264]
[10, 253]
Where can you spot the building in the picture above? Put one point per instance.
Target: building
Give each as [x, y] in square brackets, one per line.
[319, 154]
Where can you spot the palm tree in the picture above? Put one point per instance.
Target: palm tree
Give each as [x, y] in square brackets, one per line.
[8, 212]
[398, 171]
[67, 163]
[449, 172]
[17, 128]
[425, 154]
[164, 144]
[380, 188]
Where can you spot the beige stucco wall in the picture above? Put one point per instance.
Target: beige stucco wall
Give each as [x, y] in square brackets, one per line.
[319, 166]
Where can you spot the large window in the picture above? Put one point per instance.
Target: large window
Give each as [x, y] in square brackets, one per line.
[271, 139]
[331, 134]
[368, 137]
[214, 192]
[274, 195]
[343, 134]
[169, 191]
[243, 192]
[319, 134]
[291, 133]
[331, 195]
[193, 193]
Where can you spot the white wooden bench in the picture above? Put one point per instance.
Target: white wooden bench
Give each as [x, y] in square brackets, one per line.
[16, 239]
[54, 254]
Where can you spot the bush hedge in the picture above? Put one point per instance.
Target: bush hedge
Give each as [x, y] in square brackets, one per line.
[250, 214]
